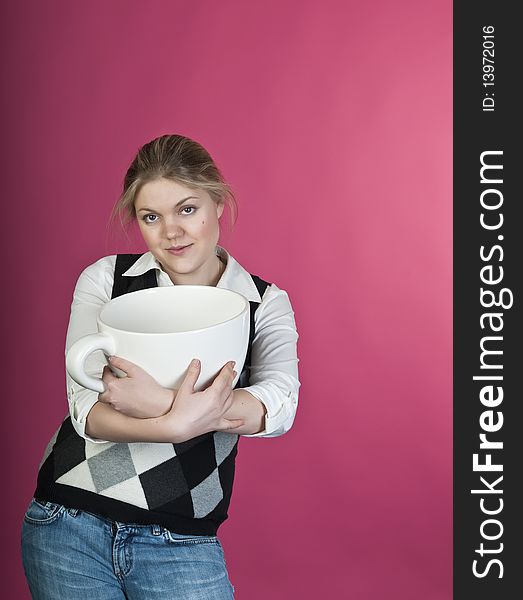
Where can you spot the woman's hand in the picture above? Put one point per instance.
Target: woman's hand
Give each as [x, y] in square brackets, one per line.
[194, 413]
[138, 394]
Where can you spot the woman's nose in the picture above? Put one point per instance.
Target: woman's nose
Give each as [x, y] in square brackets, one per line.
[173, 230]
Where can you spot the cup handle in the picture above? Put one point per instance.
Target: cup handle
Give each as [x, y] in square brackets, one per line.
[78, 353]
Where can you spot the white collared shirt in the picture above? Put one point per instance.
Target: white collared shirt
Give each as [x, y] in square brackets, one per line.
[273, 375]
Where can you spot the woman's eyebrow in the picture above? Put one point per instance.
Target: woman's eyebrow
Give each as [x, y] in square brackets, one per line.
[176, 205]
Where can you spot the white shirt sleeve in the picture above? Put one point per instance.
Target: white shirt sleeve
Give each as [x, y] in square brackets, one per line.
[93, 290]
[273, 375]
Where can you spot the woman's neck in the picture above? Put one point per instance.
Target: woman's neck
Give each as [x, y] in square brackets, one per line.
[211, 276]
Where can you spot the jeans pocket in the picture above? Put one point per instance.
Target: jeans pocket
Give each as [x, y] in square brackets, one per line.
[41, 512]
[183, 539]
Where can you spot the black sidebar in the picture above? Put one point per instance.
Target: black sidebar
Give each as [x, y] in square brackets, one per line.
[488, 270]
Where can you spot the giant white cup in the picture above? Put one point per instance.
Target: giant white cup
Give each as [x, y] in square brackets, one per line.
[162, 329]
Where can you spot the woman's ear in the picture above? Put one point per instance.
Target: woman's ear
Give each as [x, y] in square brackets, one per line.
[220, 206]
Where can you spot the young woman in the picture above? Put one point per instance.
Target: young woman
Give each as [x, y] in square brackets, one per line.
[135, 483]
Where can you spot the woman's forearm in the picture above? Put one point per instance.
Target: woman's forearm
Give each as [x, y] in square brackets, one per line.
[105, 423]
[245, 406]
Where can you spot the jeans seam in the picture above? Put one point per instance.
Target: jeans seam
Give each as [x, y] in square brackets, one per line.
[189, 541]
[53, 516]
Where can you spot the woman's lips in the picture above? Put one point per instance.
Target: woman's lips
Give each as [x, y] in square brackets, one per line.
[179, 251]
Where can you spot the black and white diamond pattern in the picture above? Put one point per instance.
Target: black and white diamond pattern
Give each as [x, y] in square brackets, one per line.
[147, 475]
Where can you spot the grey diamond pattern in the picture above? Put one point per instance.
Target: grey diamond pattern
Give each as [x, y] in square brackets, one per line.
[223, 444]
[111, 466]
[206, 495]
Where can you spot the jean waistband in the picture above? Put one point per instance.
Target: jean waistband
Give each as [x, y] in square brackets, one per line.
[117, 526]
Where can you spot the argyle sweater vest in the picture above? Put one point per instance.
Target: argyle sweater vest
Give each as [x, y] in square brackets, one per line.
[184, 487]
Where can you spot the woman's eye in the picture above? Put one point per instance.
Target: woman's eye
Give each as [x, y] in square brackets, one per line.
[146, 218]
[191, 208]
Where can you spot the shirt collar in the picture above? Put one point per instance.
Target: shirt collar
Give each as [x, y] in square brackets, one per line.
[234, 278]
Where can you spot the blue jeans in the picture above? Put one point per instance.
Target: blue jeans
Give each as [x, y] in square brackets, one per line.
[72, 554]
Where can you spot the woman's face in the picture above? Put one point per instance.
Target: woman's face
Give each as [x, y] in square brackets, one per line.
[172, 215]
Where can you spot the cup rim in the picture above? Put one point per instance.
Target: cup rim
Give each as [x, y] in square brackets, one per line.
[162, 290]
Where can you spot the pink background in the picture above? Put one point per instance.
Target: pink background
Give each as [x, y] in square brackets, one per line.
[332, 122]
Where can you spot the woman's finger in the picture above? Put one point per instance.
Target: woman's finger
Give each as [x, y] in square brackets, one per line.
[224, 378]
[107, 374]
[193, 372]
[128, 367]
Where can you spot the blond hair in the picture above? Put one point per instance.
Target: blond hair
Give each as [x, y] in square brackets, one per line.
[177, 158]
